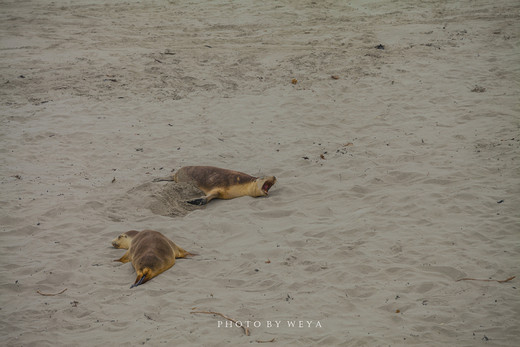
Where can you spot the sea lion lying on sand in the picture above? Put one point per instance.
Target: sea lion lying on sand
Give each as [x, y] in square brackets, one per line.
[150, 252]
[219, 183]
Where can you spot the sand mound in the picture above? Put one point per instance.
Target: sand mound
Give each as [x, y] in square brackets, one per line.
[163, 199]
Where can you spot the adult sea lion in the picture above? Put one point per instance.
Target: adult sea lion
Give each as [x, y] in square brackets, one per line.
[219, 183]
[150, 252]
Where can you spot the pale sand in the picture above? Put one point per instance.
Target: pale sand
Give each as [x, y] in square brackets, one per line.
[394, 180]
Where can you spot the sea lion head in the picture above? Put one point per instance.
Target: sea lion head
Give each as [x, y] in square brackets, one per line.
[265, 183]
[124, 240]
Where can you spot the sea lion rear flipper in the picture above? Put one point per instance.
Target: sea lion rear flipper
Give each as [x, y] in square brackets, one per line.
[160, 179]
[138, 281]
[143, 276]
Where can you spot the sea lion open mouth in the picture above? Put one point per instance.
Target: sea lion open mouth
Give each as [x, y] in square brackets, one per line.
[266, 187]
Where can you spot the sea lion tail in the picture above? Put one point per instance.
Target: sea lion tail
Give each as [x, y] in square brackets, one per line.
[142, 277]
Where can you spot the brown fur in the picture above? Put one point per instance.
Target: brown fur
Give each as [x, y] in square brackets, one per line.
[150, 252]
[219, 183]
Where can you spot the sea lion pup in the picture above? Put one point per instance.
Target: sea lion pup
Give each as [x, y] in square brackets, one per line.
[219, 183]
[150, 252]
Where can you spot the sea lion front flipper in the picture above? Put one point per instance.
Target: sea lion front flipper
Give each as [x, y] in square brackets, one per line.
[186, 254]
[198, 201]
[215, 193]
[125, 258]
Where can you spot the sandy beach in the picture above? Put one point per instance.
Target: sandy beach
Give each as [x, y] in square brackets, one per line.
[392, 127]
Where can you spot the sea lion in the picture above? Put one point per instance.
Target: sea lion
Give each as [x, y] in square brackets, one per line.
[219, 183]
[150, 252]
